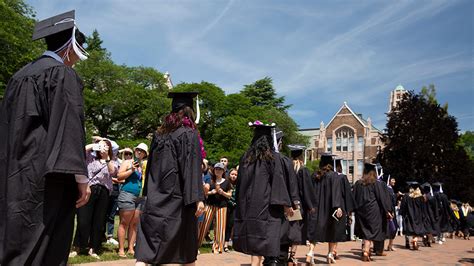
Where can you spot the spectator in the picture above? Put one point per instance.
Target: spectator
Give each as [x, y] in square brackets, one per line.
[218, 196]
[91, 217]
[130, 207]
[225, 161]
[113, 199]
[230, 208]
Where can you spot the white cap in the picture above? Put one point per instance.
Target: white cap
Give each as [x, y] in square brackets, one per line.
[142, 146]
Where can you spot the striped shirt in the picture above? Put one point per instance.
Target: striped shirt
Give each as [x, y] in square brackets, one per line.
[98, 173]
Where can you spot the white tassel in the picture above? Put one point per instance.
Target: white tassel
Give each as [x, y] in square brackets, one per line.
[388, 181]
[198, 111]
[431, 191]
[441, 188]
[275, 143]
[305, 156]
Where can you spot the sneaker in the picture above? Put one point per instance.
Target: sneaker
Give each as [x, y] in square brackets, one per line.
[72, 254]
[93, 254]
[112, 241]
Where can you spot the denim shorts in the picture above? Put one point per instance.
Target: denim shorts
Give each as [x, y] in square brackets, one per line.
[129, 202]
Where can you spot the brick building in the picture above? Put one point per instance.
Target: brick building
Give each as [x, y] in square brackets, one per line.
[349, 136]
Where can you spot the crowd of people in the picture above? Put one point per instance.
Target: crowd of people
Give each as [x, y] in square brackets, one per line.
[169, 196]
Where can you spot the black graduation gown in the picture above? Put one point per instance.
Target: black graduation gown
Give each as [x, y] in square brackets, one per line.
[167, 232]
[372, 204]
[349, 203]
[261, 193]
[393, 204]
[429, 219]
[411, 210]
[298, 229]
[330, 190]
[291, 231]
[445, 213]
[42, 133]
[312, 218]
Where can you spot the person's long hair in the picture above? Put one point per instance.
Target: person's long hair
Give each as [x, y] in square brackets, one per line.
[260, 149]
[326, 169]
[233, 182]
[184, 117]
[214, 176]
[369, 177]
[297, 163]
[415, 193]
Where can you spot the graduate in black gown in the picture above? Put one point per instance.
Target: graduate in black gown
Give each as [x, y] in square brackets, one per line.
[168, 229]
[372, 209]
[331, 219]
[289, 232]
[379, 244]
[298, 229]
[348, 206]
[430, 215]
[43, 167]
[392, 223]
[411, 209]
[444, 212]
[262, 198]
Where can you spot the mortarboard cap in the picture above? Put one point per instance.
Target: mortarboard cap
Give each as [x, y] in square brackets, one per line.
[413, 184]
[296, 150]
[368, 167]
[438, 185]
[326, 158]
[53, 25]
[181, 99]
[279, 133]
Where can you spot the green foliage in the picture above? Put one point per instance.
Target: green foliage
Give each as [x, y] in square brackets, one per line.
[422, 144]
[466, 141]
[16, 47]
[313, 166]
[262, 93]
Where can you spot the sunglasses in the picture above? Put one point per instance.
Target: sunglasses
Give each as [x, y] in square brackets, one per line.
[127, 153]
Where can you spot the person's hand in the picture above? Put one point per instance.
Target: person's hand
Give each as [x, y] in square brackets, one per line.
[289, 211]
[84, 194]
[389, 216]
[199, 209]
[339, 213]
[220, 191]
[349, 220]
[135, 166]
[312, 210]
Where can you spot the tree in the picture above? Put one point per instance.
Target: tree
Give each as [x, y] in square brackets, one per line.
[466, 140]
[16, 47]
[262, 93]
[421, 144]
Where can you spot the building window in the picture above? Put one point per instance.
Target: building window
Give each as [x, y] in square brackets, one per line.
[351, 143]
[343, 165]
[329, 147]
[360, 167]
[351, 167]
[343, 136]
[360, 142]
[398, 96]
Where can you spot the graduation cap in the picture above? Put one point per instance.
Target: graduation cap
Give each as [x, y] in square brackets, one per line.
[440, 185]
[413, 184]
[57, 32]
[368, 167]
[296, 150]
[261, 129]
[326, 158]
[183, 99]
[427, 188]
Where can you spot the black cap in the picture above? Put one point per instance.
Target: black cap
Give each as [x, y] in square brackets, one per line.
[326, 158]
[296, 150]
[413, 184]
[54, 25]
[369, 167]
[181, 99]
[426, 187]
[437, 184]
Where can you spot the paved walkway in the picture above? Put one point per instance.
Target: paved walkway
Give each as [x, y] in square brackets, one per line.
[453, 252]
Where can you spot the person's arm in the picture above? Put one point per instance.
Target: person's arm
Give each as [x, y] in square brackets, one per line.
[126, 169]
[227, 194]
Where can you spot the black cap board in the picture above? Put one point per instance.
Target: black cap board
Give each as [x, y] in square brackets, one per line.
[326, 158]
[181, 99]
[296, 150]
[369, 167]
[53, 25]
[437, 184]
[413, 184]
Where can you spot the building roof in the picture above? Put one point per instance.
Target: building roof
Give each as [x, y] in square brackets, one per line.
[359, 118]
[400, 88]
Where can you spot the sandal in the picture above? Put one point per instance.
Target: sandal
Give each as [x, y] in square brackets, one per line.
[226, 249]
[366, 257]
[123, 255]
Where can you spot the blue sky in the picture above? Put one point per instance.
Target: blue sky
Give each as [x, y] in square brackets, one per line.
[319, 53]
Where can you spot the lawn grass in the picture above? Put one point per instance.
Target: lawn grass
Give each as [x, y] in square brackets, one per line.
[110, 252]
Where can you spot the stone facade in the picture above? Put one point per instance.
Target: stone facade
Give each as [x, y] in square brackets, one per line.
[396, 96]
[348, 136]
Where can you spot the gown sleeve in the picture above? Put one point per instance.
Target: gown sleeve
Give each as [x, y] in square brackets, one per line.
[382, 195]
[63, 110]
[279, 194]
[190, 166]
[337, 200]
[307, 187]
